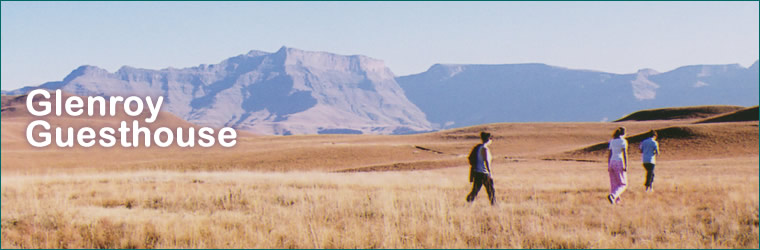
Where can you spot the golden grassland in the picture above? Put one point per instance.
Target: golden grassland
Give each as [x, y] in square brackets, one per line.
[540, 204]
[371, 191]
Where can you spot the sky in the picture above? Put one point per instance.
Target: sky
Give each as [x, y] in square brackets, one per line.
[45, 41]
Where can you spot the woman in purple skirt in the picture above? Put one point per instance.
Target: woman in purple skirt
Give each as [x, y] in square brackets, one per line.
[617, 163]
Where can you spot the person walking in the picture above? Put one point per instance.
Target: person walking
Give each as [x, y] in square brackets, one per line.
[649, 149]
[617, 165]
[480, 168]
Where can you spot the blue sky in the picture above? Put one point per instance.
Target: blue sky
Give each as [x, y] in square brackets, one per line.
[44, 41]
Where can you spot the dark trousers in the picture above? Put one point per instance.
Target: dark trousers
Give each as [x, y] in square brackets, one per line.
[481, 179]
[650, 174]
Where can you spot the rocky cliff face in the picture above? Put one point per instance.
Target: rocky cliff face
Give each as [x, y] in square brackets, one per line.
[287, 92]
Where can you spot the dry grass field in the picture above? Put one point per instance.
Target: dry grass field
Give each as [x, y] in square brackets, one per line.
[540, 204]
[365, 191]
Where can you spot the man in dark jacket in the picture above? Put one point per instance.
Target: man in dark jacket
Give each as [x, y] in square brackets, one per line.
[480, 169]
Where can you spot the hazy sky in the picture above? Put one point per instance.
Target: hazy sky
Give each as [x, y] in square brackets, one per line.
[44, 41]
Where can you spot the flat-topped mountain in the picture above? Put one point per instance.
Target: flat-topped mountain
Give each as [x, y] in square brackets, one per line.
[287, 92]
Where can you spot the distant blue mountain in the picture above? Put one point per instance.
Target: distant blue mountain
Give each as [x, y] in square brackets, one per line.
[463, 95]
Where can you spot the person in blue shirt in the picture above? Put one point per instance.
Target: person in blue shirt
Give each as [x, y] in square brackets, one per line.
[649, 149]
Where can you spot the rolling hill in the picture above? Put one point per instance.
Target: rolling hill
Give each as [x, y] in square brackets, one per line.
[679, 113]
[514, 142]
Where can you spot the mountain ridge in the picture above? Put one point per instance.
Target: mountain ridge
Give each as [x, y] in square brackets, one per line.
[292, 91]
[464, 95]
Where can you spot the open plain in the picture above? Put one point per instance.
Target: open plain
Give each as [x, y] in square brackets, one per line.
[371, 191]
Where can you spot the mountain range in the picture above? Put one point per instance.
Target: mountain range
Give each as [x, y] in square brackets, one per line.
[455, 95]
[293, 91]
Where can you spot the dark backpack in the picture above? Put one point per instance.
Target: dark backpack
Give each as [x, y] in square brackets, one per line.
[473, 158]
